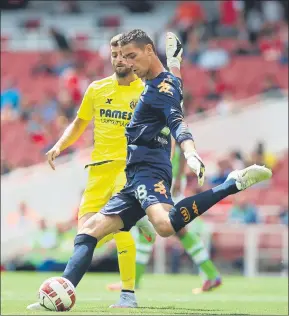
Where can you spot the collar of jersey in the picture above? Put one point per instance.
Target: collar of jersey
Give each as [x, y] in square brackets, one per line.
[134, 83]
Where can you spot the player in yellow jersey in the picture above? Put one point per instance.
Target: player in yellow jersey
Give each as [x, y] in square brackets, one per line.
[110, 102]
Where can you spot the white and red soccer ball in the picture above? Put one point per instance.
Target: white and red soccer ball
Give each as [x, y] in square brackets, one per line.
[57, 294]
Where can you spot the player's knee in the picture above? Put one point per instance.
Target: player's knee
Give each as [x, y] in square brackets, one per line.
[164, 228]
[100, 225]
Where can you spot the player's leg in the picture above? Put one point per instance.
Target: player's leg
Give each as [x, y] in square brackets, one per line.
[125, 244]
[189, 208]
[197, 251]
[126, 251]
[94, 229]
[143, 253]
[144, 241]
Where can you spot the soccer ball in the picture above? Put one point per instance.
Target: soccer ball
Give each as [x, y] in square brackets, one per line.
[57, 294]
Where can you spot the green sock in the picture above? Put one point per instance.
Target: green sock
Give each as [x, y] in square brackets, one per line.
[143, 254]
[199, 254]
[139, 272]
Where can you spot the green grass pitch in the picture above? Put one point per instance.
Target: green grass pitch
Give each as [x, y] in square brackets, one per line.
[160, 295]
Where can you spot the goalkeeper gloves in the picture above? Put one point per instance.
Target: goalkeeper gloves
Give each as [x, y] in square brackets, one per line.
[196, 164]
[174, 50]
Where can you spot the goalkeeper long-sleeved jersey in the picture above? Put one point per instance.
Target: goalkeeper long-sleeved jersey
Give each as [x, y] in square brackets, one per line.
[157, 114]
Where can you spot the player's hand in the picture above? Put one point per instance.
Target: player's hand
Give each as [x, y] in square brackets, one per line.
[174, 50]
[195, 162]
[51, 155]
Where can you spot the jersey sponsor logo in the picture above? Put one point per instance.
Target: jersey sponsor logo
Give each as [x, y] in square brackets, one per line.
[162, 140]
[122, 252]
[115, 117]
[160, 188]
[133, 103]
[195, 208]
[108, 101]
[165, 87]
[185, 213]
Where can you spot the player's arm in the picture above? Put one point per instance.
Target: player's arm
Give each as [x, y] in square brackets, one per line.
[75, 129]
[69, 137]
[173, 147]
[167, 103]
[184, 138]
[174, 52]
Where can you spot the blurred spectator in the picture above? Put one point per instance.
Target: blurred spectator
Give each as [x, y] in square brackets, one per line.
[193, 47]
[195, 106]
[43, 65]
[138, 6]
[10, 97]
[261, 156]
[74, 82]
[60, 40]
[224, 168]
[48, 108]
[226, 104]
[66, 106]
[283, 212]
[46, 66]
[273, 12]
[23, 218]
[284, 57]
[283, 35]
[252, 17]
[212, 92]
[213, 57]
[229, 14]
[242, 212]
[188, 14]
[42, 250]
[236, 160]
[270, 45]
[27, 107]
[271, 88]
[36, 128]
[244, 48]
[69, 6]
[66, 60]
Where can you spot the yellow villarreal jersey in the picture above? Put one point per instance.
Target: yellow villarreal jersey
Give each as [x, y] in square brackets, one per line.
[112, 106]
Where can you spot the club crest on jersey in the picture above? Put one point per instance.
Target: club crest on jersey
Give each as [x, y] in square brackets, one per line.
[133, 103]
[160, 188]
[165, 87]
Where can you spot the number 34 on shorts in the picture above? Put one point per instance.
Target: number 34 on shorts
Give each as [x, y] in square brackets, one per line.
[152, 191]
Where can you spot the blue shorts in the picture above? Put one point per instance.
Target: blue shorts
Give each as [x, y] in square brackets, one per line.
[143, 188]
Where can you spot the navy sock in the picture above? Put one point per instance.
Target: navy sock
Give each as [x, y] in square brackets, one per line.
[189, 208]
[80, 261]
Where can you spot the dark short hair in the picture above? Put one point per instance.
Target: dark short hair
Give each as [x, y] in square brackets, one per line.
[138, 37]
[115, 40]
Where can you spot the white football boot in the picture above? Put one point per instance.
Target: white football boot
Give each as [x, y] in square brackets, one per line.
[174, 50]
[147, 229]
[249, 176]
[36, 307]
[127, 300]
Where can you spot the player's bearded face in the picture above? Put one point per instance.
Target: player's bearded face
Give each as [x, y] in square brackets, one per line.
[119, 64]
[138, 58]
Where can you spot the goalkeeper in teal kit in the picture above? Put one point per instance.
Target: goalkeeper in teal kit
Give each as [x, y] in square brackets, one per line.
[149, 169]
